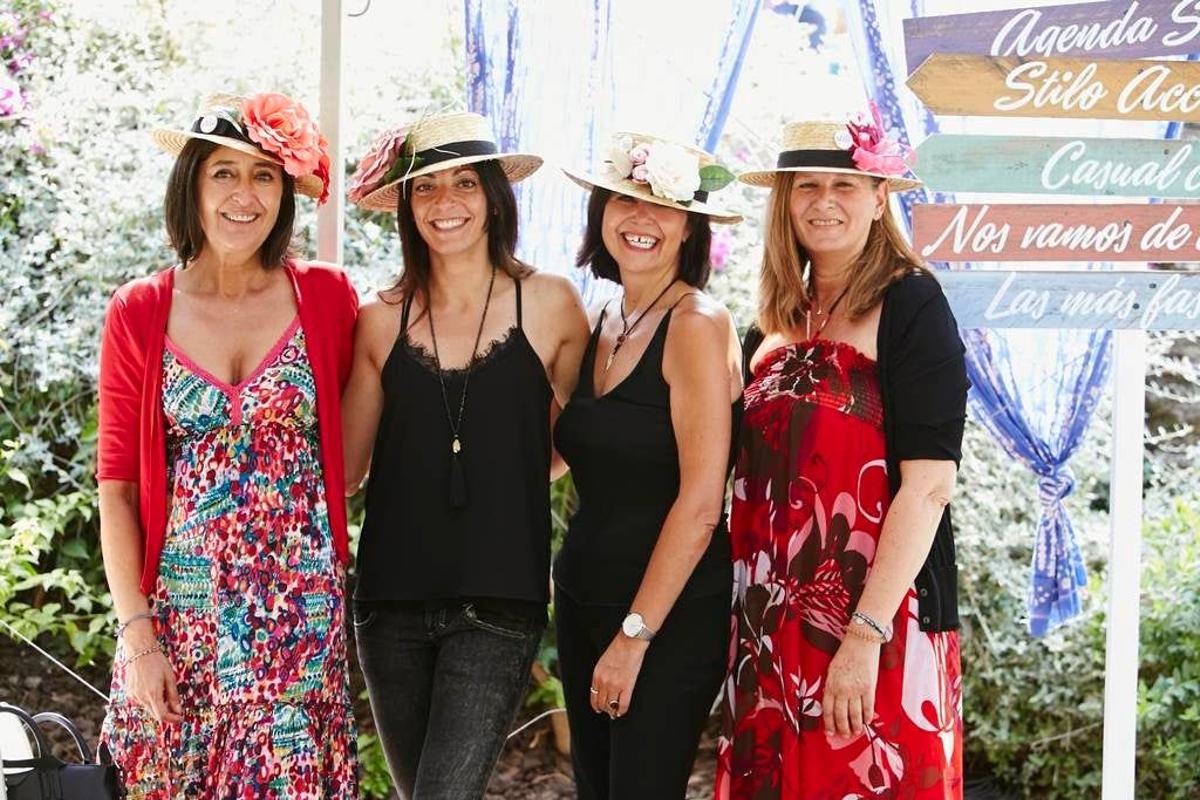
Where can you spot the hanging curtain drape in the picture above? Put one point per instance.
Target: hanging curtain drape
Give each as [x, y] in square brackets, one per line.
[543, 72]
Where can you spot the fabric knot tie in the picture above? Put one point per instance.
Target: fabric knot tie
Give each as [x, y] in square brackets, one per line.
[1056, 486]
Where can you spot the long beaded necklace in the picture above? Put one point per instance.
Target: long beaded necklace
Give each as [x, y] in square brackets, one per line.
[458, 483]
[627, 329]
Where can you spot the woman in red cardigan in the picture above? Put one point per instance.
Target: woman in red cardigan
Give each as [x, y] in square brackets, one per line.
[220, 475]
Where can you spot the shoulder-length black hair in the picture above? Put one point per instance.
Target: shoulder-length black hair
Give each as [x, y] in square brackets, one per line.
[181, 208]
[695, 264]
[502, 229]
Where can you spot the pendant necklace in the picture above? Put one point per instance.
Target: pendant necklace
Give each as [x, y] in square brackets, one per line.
[458, 484]
[828, 316]
[627, 328]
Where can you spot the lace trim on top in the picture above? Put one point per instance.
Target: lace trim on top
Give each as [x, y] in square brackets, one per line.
[492, 351]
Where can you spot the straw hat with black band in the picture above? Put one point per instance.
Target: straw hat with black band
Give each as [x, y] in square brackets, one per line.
[285, 127]
[830, 147]
[662, 172]
[431, 144]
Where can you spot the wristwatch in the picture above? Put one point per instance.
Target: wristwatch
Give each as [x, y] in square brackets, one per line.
[635, 627]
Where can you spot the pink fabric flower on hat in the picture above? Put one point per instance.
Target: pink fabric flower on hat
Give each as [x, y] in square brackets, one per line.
[376, 163]
[283, 128]
[874, 151]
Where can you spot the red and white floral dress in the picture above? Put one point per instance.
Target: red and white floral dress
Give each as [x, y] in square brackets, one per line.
[810, 496]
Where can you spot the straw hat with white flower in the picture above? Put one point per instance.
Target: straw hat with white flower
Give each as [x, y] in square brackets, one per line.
[271, 126]
[857, 147]
[430, 144]
[661, 172]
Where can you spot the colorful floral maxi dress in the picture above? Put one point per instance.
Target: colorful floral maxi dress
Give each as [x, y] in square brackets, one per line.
[249, 603]
[810, 495]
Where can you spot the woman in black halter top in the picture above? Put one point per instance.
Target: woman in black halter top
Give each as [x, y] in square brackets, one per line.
[642, 580]
[456, 374]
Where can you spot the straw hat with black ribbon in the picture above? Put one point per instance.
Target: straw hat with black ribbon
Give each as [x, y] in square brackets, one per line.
[857, 148]
[270, 126]
[430, 144]
[662, 172]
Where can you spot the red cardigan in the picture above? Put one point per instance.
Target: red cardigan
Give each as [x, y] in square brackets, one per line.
[132, 444]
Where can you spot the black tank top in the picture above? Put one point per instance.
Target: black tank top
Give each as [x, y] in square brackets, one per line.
[622, 452]
[414, 545]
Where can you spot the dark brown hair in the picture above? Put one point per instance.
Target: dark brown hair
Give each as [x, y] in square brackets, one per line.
[782, 294]
[695, 264]
[181, 208]
[501, 233]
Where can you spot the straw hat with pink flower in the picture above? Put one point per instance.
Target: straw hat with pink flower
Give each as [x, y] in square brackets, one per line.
[662, 172]
[271, 126]
[859, 147]
[430, 144]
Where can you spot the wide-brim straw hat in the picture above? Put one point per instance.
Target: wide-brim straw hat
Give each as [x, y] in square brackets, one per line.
[212, 124]
[445, 141]
[819, 147]
[606, 176]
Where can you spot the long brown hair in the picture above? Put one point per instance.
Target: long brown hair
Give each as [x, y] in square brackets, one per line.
[783, 294]
[501, 234]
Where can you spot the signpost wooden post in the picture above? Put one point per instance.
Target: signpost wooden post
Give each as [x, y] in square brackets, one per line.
[1061, 165]
[1065, 61]
[1057, 232]
[1106, 29]
[1082, 88]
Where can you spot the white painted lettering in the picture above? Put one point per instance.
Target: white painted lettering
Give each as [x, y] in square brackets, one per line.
[980, 236]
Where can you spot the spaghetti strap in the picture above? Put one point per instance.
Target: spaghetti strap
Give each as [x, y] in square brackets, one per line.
[517, 286]
[680, 299]
[404, 310]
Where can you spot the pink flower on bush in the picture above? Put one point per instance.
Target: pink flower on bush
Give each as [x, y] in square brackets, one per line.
[283, 128]
[12, 102]
[718, 251]
[872, 149]
[376, 163]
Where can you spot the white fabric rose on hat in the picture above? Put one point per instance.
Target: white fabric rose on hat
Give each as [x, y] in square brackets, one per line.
[618, 156]
[673, 172]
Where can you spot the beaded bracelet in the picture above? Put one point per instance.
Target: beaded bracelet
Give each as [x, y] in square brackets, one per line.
[885, 634]
[143, 615]
[155, 649]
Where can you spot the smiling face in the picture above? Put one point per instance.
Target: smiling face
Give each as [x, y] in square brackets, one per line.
[643, 237]
[832, 212]
[450, 210]
[238, 198]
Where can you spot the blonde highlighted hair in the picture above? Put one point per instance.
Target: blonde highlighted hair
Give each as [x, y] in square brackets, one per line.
[783, 295]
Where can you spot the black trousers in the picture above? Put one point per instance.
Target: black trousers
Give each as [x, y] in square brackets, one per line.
[647, 753]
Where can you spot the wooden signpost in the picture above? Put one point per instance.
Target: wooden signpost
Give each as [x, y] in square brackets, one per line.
[1060, 166]
[1007, 86]
[1147, 300]
[1017, 232]
[1075, 60]
[1131, 29]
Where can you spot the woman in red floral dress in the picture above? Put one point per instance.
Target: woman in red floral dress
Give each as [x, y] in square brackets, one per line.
[844, 677]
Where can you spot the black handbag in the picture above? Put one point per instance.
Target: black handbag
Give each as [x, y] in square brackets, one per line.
[46, 777]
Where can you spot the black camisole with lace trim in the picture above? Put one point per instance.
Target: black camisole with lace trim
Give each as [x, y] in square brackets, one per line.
[415, 546]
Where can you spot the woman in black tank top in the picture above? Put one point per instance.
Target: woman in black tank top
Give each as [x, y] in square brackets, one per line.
[642, 580]
[457, 372]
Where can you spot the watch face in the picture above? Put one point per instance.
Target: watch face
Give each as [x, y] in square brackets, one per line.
[632, 625]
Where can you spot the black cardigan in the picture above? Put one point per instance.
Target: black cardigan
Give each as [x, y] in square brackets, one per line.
[923, 383]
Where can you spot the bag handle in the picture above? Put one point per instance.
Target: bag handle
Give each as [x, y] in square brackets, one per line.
[85, 752]
[43, 747]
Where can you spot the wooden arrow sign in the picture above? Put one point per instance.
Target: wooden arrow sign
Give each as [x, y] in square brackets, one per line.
[1058, 87]
[1152, 300]
[1130, 29]
[1060, 165]
[1057, 232]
